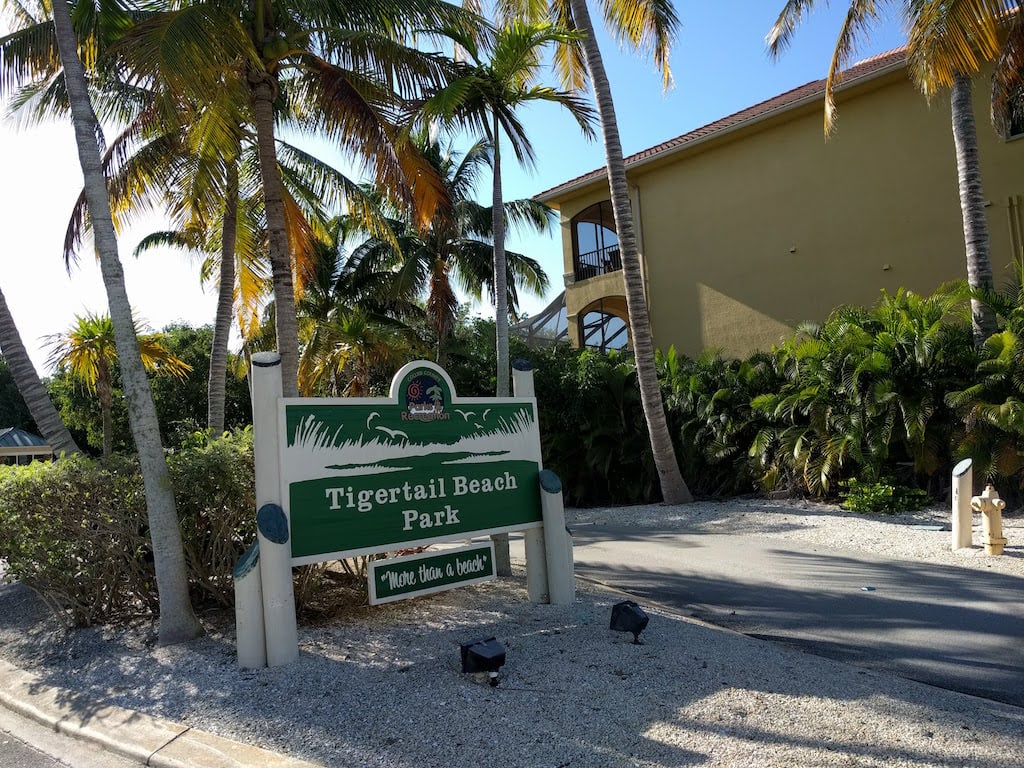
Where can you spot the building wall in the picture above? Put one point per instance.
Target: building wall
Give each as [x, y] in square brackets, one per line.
[755, 231]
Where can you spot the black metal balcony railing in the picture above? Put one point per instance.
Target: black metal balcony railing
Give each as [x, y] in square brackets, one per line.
[599, 262]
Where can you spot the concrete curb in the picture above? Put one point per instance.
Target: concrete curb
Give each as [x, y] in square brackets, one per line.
[153, 741]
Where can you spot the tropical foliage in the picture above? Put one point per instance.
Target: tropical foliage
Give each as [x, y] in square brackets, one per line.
[88, 351]
[454, 251]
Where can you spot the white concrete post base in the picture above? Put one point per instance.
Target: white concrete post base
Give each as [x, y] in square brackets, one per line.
[962, 517]
[249, 631]
[557, 542]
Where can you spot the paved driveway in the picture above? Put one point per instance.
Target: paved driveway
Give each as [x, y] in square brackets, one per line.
[950, 627]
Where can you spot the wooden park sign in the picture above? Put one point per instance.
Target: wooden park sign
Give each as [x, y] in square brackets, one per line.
[341, 477]
[370, 475]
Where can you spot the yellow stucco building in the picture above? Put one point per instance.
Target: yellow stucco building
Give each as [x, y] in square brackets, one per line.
[755, 223]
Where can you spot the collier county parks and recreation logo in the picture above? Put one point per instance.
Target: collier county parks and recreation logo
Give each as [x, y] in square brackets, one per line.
[425, 396]
[368, 475]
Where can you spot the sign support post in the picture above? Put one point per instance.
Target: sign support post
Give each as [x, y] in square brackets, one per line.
[275, 556]
[533, 538]
[962, 517]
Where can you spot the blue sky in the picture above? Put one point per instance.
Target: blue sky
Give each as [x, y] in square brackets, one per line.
[719, 64]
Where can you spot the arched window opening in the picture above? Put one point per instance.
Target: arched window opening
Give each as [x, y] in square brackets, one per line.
[595, 246]
[603, 327]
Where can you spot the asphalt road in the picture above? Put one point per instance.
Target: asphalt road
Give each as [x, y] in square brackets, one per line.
[25, 743]
[950, 627]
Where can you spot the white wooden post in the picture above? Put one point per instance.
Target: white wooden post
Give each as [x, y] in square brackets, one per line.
[250, 633]
[533, 538]
[963, 478]
[557, 542]
[275, 559]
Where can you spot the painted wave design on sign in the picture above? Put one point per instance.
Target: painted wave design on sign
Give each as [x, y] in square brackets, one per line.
[376, 438]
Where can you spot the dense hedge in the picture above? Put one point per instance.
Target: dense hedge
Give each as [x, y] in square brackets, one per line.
[75, 530]
[892, 394]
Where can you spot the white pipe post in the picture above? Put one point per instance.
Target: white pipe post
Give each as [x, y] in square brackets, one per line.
[557, 542]
[533, 538]
[271, 522]
[963, 479]
[250, 633]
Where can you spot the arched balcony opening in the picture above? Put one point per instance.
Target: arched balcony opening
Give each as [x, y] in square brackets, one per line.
[595, 246]
[604, 325]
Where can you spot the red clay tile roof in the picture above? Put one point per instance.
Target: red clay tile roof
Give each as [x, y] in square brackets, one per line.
[862, 70]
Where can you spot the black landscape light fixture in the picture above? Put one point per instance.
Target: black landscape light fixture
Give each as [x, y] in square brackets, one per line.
[627, 616]
[485, 655]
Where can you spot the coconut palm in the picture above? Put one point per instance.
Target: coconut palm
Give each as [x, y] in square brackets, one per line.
[178, 621]
[30, 387]
[947, 43]
[88, 350]
[351, 319]
[227, 222]
[650, 26]
[485, 94]
[456, 251]
[333, 66]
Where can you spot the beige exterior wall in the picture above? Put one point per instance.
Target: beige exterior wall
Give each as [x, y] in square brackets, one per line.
[752, 232]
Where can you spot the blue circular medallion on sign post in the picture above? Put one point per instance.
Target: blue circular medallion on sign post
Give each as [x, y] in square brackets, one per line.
[272, 523]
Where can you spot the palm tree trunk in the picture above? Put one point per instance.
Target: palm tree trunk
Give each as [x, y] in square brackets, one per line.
[31, 388]
[217, 384]
[178, 621]
[502, 555]
[673, 487]
[500, 270]
[105, 394]
[972, 206]
[264, 90]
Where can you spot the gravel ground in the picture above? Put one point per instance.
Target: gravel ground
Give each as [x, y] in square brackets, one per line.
[382, 687]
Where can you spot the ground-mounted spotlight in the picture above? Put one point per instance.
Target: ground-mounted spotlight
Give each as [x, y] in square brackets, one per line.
[485, 655]
[627, 616]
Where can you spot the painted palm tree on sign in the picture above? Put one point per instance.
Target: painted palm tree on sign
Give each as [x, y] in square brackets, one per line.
[88, 349]
[948, 41]
[178, 621]
[486, 95]
[649, 26]
[31, 388]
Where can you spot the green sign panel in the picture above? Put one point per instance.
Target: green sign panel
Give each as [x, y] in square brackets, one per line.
[362, 476]
[423, 574]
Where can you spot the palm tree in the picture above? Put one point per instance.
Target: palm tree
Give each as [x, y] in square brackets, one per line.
[333, 66]
[178, 621]
[648, 25]
[351, 319]
[31, 388]
[456, 249]
[485, 94]
[947, 43]
[88, 350]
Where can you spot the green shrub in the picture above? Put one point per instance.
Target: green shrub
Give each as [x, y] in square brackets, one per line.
[881, 497]
[215, 494]
[76, 531]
